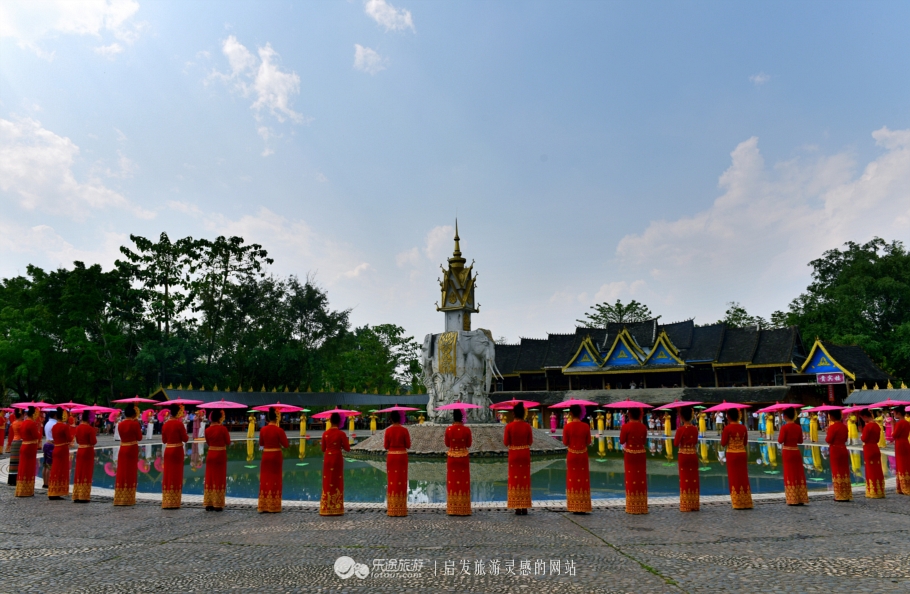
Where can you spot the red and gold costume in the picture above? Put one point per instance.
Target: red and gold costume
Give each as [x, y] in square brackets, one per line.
[13, 432]
[173, 435]
[85, 461]
[576, 436]
[734, 438]
[334, 440]
[686, 440]
[790, 437]
[2, 429]
[397, 442]
[272, 438]
[217, 438]
[901, 435]
[458, 439]
[30, 432]
[518, 437]
[127, 460]
[872, 456]
[58, 480]
[836, 437]
[634, 436]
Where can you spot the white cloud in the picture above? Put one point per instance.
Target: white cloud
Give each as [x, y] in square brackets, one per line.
[759, 79]
[36, 166]
[393, 19]
[408, 258]
[367, 60]
[618, 289]
[44, 247]
[754, 242]
[30, 23]
[439, 242]
[357, 270]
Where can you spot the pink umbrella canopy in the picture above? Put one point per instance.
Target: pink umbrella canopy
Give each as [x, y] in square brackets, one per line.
[24, 405]
[777, 407]
[678, 404]
[110, 469]
[628, 404]
[725, 406]
[70, 405]
[457, 406]
[162, 415]
[113, 416]
[825, 408]
[888, 403]
[340, 411]
[282, 408]
[147, 414]
[158, 464]
[510, 404]
[183, 401]
[95, 409]
[571, 401]
[134, 399]
[853, 409]
[222, 404]
[397, 408]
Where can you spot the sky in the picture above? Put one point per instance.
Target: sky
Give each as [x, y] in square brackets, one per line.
[684, 155]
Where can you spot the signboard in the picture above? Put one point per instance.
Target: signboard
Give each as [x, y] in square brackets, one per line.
[830, 378]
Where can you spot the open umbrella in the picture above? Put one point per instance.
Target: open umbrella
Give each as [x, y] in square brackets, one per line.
[853, 409]
[183, 401]
[25, 405]
[113, 416]
[163, 414]
[95, 408]
[679, 404]
[134, 399]
[571, 401]
[396, 408]
[777, 407]
[282, 408]
[725, 406]
[458, 406]
[825, 408]
[340, 411]
[70, 405]
[510, 404]
[628, 404]
[889, 403]
[222, 404]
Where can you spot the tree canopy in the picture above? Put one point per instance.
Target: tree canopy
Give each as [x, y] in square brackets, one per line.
[605, 313]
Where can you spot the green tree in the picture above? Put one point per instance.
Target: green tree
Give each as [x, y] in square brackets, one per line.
[604, 313]
[736, 316]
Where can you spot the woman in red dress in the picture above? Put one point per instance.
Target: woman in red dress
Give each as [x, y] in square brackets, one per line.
[686, 439]
[397, 442]
[458, 439]
[13, 446]
[901, 435]
[2, 429]
[217, 438]
[734, 439]
[518, 437]
[173, 435]
[633, 435]
[85, 460]
[334, 440]
[58, 481]
[30, 432]
[272, 438]
[872, 456]
[838, 456]
[576, 436]
[128, 458]
[790, 437]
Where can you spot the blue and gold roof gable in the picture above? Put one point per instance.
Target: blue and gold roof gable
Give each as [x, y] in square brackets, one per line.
[586, 358]
[664, 352]
[820, 361]
[624, 352]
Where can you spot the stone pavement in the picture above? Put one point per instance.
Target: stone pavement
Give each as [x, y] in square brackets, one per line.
[863, 546]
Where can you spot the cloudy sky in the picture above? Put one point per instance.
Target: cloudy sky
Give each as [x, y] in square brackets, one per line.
[681, 154]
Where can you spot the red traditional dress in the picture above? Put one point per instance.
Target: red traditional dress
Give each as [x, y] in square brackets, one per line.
[734, 439]
[790, 436]
[458, 439]
[902, 453]
[127, 460]
[30, 432]
[173, 435]
[397, 442]
[218, 438]
[518, 437]
[577, 437]
[2, 430]
[85, 462]
[872, 456]
[334, 440]
[686, 440]
[634, 436]
[839, 458]
[58, 483]
[272, 438]
[13, 446]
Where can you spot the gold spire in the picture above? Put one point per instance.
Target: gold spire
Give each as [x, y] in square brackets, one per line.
[456, 261]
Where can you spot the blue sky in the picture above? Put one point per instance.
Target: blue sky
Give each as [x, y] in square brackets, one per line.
[681, 154]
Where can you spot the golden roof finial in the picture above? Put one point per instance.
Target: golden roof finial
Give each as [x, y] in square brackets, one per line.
[456, 262]
[457, 252]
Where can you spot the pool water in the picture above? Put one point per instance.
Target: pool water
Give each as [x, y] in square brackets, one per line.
[365, 480]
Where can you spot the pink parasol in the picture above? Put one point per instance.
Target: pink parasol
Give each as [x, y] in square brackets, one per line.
[457, 406]
[70, 405]
[24, 405]
[183, 401]
[163, 415]
[397, 408]
[628, 404]
[825, 408]
[678, 404]
[222, 404]
[510, 404]
[110, 469]
[282, 408]
[725, 406]
[853, 409]
[159, 464]
[143, 466]
[571, 401]
[777, 407]
[147, 414]
[134, 399]
[888, 403]
[95, 409]
[340, 411]
[113, 416]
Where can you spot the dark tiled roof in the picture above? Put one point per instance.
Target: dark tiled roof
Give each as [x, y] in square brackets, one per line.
[857, 362]
[739, 345]
[598, 336]
[680, 333]
[873, 396]
[532, 354]
[774, 346]
[507, 357]
[706, 342]
[559, 350]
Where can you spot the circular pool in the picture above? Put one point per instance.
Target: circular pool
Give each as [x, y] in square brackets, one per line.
[365, 480]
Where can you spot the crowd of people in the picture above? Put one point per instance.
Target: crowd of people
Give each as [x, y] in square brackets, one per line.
[28, 429]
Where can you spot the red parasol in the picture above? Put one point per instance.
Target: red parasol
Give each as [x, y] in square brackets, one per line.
[134, 399]
[678, 404]
[628, 404]
[457, 406]
[282, 408]
[183, 401]
[340, 411]
[725, 406]
[571, 401]
[510, 404]
[825, 408]
[222, 404]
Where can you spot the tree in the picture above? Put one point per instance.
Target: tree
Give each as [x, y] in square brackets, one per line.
[604, 313]
[736, 316]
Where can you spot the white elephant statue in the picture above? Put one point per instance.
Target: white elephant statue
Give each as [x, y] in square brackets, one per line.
[459, 367]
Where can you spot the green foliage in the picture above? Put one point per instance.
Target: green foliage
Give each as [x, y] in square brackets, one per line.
[861, 295]
[604, 313]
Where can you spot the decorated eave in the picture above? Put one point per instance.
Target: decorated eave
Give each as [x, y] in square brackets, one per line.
[821, 361]
[664, 353]
[828, 357]
[586, 358]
